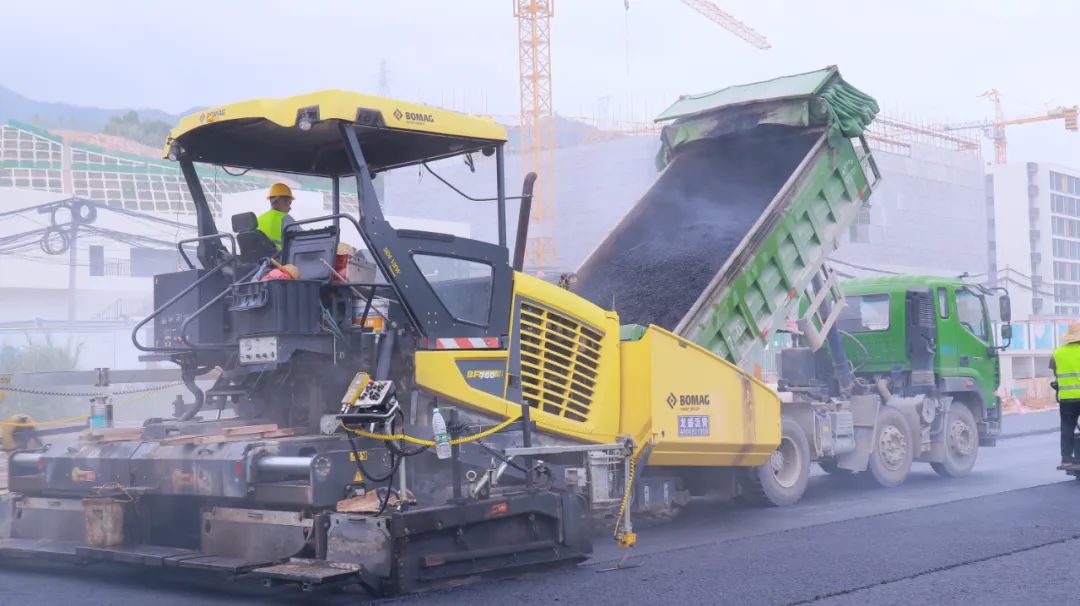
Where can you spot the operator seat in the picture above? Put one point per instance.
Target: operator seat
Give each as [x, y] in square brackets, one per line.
[312, 252]
[254, 244]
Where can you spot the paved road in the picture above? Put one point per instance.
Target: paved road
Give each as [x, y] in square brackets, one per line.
[982, 537]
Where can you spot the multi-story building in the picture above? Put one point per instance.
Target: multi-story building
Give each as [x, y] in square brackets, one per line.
[1034, 236]
[124, 175]
[927, 215]
[143, 209]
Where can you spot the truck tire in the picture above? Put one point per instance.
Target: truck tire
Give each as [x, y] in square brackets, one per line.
[961, 442]
[890, 461]
[781, 481]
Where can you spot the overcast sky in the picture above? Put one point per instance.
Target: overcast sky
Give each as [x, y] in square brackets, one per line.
[926, 58]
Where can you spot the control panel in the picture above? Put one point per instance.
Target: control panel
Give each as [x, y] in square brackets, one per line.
[258, 350]
[366, 394]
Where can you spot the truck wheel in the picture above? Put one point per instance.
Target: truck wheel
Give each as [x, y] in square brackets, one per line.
[782, 479]
[891, 458]
[961, 442]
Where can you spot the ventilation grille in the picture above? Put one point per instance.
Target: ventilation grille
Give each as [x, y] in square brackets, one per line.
[926, 312]
[559, 362]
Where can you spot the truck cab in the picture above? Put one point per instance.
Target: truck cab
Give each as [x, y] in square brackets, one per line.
[893, 371]
[924, 335]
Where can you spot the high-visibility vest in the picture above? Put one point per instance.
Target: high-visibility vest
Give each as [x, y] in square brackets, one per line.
[1067, 369]
[270, 224]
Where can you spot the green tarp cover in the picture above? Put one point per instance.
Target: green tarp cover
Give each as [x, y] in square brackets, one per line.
[813, 99]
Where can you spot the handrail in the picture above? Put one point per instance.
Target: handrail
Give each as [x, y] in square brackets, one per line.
[170, 303]
[217, 236]
[187, 321]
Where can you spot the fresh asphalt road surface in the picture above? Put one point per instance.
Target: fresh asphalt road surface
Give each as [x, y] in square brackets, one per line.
[985, 538]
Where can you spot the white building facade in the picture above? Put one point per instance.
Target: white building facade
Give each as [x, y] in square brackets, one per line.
[1034, 237]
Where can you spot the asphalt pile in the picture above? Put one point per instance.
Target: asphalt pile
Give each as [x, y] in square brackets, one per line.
[661, 256]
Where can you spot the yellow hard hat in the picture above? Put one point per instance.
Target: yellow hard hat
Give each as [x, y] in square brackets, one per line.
[279, 189]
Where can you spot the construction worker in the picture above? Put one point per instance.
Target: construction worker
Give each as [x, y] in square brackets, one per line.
[274, 221]
[1066, 366]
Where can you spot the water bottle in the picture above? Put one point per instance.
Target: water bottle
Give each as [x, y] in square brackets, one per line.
[442, 439]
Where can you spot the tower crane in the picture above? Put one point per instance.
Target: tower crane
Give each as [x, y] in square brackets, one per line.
[995, 129]
[537, 116]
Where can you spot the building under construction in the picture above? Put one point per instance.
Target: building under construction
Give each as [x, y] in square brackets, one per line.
[932, 192]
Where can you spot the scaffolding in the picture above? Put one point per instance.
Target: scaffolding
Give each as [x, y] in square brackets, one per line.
[896, 135]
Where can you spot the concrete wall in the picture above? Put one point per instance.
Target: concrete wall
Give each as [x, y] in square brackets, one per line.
[595, 185]
[1012, 236]
[927, 216]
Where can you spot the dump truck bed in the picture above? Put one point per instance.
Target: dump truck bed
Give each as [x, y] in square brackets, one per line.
[689, 224]
[754, 196]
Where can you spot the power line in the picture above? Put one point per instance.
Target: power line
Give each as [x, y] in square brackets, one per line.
[864, 268]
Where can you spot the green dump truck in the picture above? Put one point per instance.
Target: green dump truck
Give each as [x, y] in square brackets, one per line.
[758, 184]
[909, 374]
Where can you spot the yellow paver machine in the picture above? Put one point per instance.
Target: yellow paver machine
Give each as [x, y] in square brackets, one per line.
[488, 420]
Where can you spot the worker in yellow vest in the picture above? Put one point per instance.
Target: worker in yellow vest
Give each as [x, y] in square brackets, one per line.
[274, 221]
[1066, 366]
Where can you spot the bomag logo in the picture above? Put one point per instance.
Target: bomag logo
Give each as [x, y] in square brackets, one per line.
[210, 116]
[484, 374]
[413, 116]
[688, 400]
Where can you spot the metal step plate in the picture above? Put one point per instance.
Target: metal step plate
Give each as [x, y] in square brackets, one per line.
[40, 548]
[144, 555]
[168, 557]
[310, 572]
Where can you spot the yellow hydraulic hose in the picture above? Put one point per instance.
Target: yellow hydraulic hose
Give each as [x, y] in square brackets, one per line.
[422, 442]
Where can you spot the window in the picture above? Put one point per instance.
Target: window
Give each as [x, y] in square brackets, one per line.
[943, 303]
[1067, 292]
[463, 287]
[865, 313]
[1057, 181]
[1064, 270]
[969, 311]
[859, 230]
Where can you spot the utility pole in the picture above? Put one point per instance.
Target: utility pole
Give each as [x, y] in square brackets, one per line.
[73, 258]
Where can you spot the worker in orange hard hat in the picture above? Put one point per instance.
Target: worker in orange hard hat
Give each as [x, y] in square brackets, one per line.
[274, 221]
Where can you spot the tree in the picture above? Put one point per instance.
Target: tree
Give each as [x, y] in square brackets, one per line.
[129, 126]
[39, 357]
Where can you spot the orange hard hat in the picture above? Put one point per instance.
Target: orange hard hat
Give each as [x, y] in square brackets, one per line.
[285, 272]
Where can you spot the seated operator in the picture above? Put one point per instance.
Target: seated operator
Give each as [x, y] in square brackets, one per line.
[274, 221]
